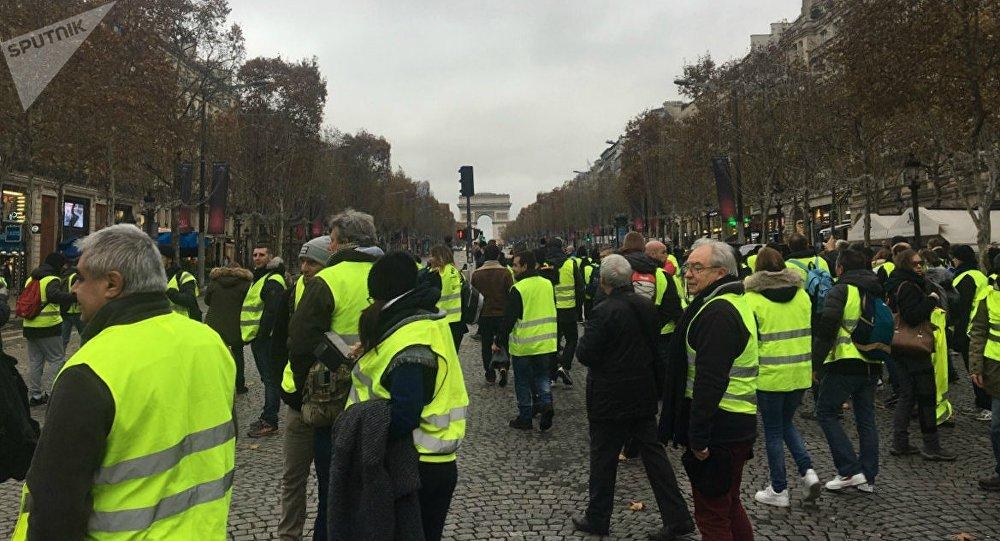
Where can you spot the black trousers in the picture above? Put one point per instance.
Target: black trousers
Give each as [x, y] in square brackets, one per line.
[565, 328]
[437, 484]
[915, 388]
[982, 398]
[489, 326]
[606, 440]
[458, 330]
[237, 352]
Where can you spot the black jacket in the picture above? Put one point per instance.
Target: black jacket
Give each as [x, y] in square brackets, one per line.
[669, 308]
[54, 294]
[273, 295]
[618, 345]
[185, 295]
[719, 336]
[909, 295]
[827, 324]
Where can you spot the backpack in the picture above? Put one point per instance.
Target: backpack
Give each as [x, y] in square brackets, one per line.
[644, 284]
[818, 282]
[18, 431]
[324, 394]
[472, 303]
[874, 331]
[29, 302]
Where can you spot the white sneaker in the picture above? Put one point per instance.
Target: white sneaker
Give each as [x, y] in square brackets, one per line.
[812, 487]
[838, 482]
[867, 487]
[770, 497]
[985, 415]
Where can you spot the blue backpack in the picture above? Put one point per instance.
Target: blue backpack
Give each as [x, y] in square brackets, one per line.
[818, 282]
[873, 333]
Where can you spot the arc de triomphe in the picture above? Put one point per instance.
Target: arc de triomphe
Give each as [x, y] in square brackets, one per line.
[494, 205]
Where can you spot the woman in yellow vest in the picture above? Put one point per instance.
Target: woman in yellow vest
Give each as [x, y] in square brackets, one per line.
[445, 277]
[783, 310]
[409, 358]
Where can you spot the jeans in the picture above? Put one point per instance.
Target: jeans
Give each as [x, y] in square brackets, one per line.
[915, 388]
[565, 328]
[777, 412]
[834, 390]
[606, 440]
[70, 322]
[531, 379]
[437, 485]
[488, 328]
[41, 351]
[322, 456]
[240, 360]
[298, 446]
[261, 349]
[723, 518]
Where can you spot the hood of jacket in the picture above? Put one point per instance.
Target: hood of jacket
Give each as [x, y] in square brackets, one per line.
[641, 262]
[275, 265]
[781, 286]
[230, 276]
[420, 301]
[863, 279]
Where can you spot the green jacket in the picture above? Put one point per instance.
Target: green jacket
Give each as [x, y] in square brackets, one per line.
[978, 364]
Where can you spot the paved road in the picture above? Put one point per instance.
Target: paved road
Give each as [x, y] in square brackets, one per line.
[516, 485]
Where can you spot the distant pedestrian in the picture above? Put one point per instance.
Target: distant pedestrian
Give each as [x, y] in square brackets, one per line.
[972, 286]
[494, 282]
[624, 382]
[984, 370]
[448, 280]
[259, 311]
[569, 294]
[182, 286]
[43, 333]
[227, 287]
[70, 312]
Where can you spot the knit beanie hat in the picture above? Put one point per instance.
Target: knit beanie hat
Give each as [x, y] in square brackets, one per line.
[391, 276]
[55, 260]
[317, 249]
[963, 253]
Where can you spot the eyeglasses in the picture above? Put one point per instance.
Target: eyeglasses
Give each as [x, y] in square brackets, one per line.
[697, 268]
[917, 263]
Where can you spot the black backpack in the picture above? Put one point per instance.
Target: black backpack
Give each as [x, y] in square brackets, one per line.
[18, 431]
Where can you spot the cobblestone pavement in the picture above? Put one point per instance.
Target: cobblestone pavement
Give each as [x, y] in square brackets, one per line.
[516, 484]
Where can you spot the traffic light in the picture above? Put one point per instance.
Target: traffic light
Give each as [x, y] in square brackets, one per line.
[468, 187]
[460, 234]
[731, 221]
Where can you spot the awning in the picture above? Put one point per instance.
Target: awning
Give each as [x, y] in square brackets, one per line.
[903, 225]
[880, 227]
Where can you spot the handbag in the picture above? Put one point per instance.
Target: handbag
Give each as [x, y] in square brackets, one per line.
[912, 341]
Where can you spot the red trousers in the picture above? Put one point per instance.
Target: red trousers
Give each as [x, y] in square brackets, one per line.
[723, 518]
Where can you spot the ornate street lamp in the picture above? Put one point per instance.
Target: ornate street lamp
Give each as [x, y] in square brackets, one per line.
[911, 174]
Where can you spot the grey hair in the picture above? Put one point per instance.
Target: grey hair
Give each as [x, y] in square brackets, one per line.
[126, 249]
[722, 255]
[616, 271]
[354, 227]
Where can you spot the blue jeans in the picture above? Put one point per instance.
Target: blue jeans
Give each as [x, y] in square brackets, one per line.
[834, 390]
[995, 432]
[261, 349]
[70, 322]
[531, 380]
[777, 411]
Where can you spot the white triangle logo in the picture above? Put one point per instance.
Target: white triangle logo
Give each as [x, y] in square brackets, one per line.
[35, 58]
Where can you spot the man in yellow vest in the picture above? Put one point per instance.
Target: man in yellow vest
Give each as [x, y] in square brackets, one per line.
[528, 333]
[984, 368]
[332, 301]
[972, 286]
[569, 294]
[845, 374]
[43, 333]
[182, 286]
[713, 410]
[139, 440]
[298, 436]
[260, 309]
[70, 312]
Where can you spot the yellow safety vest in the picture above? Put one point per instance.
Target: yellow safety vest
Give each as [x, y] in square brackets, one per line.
[588, 272]
[889, 266]
[982, 289]
[49, 316]
[287, 376]
[253, 306]
[940, 358]
[843, 347]
[816, 262]
[174, 284]
[566, 289]
[451, 294]
[752, 262]
[785, 342]
[442, 420]
[741, 393]
[168, 463]
[992, 351]
[348, 283]
[75, 307]
[535, 332]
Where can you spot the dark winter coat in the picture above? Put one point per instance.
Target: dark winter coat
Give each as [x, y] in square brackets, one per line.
[618, 345]
[827, 324]
[909, 295]
[978, 363]
[224, 296]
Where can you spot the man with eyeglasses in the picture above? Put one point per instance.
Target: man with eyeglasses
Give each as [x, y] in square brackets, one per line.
[711, 407]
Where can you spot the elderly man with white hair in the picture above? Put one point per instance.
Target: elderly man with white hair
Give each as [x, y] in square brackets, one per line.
[714, 411]
[624, 382]
[139, 439]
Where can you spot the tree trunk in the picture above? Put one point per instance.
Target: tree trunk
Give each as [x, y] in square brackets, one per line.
[280, 244]
[865, 182]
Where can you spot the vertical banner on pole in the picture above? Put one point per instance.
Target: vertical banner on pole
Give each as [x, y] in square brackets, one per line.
[724, 188]
[217, 200]
[184, 176]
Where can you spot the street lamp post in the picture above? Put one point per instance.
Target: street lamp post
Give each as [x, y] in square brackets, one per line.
[911, 172]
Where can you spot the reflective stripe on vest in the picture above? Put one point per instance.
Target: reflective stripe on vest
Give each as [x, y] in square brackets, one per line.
[442, 420]
[535, 332]
[171, 478]
[784, 342]
[982, 289]
[253, 306]
[451, 294]
[49, 315]
[943, 409]
[741, 393]
[75, 307]
[566, 288]
[843, 346]
[185, 277]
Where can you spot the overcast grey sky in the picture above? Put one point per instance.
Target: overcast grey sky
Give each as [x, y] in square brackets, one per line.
[524, 90]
